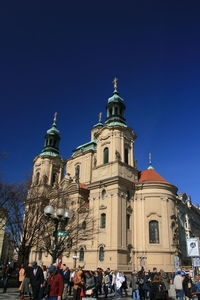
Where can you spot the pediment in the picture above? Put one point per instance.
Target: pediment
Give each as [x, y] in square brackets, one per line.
[102, 207]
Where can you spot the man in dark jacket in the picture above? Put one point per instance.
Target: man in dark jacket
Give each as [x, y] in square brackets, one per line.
[66, 280]
[36, 279]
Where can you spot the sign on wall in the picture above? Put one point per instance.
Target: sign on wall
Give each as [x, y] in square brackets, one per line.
[193, 247]
[176, 262]
[196, 261]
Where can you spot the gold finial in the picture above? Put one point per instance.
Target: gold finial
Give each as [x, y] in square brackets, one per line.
[115, 83]
[55, 117]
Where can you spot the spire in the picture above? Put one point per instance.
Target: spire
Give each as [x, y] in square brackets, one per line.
[52, 139]
[54, 118]
[150, 167]
[115, 108]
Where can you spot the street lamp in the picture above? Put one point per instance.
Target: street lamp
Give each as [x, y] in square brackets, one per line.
[57, 216]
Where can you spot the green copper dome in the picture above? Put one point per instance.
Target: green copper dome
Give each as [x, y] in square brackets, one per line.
[52, 140]
[115, 97]
[115, 110]
[53, 129]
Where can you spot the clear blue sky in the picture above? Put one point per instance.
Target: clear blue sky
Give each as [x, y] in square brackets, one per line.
[63, 55]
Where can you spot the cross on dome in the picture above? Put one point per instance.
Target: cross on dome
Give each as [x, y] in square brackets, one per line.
[115, 83]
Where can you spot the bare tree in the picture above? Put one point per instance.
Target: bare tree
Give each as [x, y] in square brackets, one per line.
[29, 229]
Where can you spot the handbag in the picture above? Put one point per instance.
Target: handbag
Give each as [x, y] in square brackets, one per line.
[82, 293]
[89, 292]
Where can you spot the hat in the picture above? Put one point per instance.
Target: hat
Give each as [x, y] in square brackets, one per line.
[51, 269]
[34, 263]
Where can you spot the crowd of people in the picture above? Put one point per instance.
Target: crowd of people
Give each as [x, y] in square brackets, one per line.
[59, 283]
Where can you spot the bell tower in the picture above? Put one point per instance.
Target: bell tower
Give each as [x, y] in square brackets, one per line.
[115, 141]
[48, 165]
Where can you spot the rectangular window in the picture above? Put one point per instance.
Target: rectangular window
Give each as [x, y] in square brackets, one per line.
[128, 221]
[126, 155]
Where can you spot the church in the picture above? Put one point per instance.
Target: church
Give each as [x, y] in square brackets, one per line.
[135, 212]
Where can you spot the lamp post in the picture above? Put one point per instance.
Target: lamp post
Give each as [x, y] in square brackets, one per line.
[57, 216]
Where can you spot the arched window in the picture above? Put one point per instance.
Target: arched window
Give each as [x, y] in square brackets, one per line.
[105, 155]
[101, 254]
[103, 221]
[81, 254]
[126, 155]
[77, 173]
[103, 194]
[37, 178]
[54, 178]
[128, 221]
[110, 111]
[153, 232]
[116, 110]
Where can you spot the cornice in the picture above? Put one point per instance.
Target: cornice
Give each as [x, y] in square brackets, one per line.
[156, 185]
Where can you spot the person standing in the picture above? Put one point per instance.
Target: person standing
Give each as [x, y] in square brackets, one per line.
[21, 278]
[71, 281]
[119, 280]
[36, 280]
[78, 284]
[178, 284]
[106, 283]
[66, 280]
[55, 281]
[187, 286]
[135, 286]
[157, 289]
[5, 277]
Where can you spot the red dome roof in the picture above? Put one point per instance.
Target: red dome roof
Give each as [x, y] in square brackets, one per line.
[150, 175]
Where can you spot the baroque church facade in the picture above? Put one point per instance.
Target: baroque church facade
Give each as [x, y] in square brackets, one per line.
[135, 211]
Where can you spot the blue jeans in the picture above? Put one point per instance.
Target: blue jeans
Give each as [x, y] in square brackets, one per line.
[117, 292]
[136, 295]
[180, 294]
[52, 298]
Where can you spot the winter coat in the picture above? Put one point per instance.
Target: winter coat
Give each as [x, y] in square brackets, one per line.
[178, 282]
[89, 282]
[157, 290]
[187, 286]
[56, 283]
[134, 283]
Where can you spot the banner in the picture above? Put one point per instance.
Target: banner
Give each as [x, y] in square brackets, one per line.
[193, 247]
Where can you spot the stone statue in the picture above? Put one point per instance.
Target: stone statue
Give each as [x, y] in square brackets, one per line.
[117, 155]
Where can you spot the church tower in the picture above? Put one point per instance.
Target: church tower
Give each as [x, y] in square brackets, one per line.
[48, 165]
[112, 187]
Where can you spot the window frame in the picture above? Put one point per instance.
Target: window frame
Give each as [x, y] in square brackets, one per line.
[103, 221]
[106, 155]
[81, 254]
[153, 227]
[101, 253]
